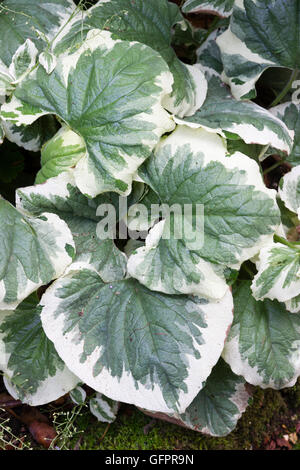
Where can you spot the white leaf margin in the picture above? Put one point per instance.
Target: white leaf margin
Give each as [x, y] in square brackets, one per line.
[59, 258]
[104, 412]
[29, 48]
[49, 390]
[230, 44]
[240, 366]
[218, 316]
[199, 91]
[248, 132]
[213, 286]
[208, 7]
[277, 290]
[240, 398]
[289, 190]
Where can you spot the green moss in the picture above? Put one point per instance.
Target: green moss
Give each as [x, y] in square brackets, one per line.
[127, 432]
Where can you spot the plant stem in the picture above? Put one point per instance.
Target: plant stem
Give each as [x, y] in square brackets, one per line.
[283, 241]
[286, 89]
[273, 167]
[249, 271]
[211, 28]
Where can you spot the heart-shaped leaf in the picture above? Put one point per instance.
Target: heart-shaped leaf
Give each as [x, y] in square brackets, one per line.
[148, 22]
[115, 109]
[240, 215]
[104, 408]
[131, 344]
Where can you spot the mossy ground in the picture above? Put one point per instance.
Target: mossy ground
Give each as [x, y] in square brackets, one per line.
[271, 415]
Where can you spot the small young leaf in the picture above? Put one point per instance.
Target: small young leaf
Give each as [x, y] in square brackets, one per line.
[23, 60]
[48, 61]
[103, 408]
[78, 395]
[60, 153]
[278, 273]
[36, 20]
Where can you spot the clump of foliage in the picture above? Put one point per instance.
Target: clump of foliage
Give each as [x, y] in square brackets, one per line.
[172, 325]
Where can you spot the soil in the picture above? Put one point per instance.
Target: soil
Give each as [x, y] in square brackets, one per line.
[271, 422]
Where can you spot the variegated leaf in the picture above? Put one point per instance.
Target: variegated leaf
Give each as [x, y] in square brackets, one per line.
[146, 348]
[262, 34]
[48, 60]
[60, 196]
[36, 20]
[31, 137]
[23, 60]
[278, 274]
[289, 113]
[254, 124]
[34, 251]
[118, 113]
[78, 395]
[217, 407]
[6, 81]
[104, 408]
[293, 305]
[289, 190]
[209, 55]
[60, 153]
[219, 7]
[240, 215]
[148, 22]
[33, 371]
[264, 341]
